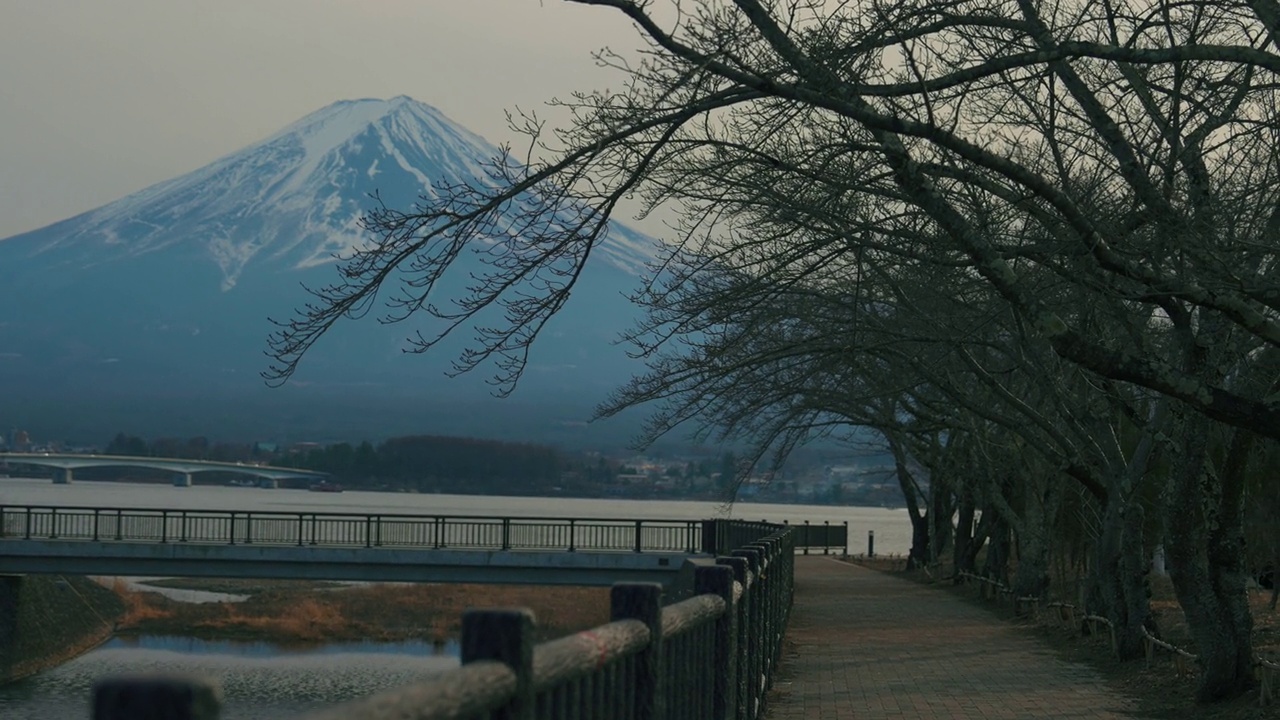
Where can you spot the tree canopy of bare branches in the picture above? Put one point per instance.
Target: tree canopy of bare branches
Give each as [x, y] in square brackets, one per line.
[883, 205]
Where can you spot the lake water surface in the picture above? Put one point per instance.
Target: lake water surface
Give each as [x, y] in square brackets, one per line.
[262, 680]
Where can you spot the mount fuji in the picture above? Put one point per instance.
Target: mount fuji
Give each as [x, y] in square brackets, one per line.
[149, 314]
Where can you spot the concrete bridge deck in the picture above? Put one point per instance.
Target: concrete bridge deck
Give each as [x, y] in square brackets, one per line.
[867, 645]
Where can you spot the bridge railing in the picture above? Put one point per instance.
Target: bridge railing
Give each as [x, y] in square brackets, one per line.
[712, 656]
[827, 537]
[465, 532]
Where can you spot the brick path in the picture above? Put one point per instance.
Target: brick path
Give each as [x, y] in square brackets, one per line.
[863, 644]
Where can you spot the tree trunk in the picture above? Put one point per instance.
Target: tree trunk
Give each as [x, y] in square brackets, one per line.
[1034, 533]
[1118, 589]
[996, 564]
[961, 557]
[1206, 563]
[918, 556]
[1031, 579]
[1228, 566]
[941, 510]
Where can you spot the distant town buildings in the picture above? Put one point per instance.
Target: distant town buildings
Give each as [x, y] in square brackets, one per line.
[18, 441]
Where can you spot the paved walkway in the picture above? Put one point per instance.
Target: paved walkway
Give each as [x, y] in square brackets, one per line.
[863, 644]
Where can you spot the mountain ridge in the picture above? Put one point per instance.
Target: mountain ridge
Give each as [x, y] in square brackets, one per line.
[172, 284]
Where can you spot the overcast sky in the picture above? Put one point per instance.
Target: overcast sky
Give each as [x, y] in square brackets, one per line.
[100, 98]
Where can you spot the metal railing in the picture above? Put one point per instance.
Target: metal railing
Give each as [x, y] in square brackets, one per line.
[827, 537]
[712, 656]
[322, 529]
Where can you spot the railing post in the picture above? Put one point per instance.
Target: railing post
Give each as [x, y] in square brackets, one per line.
[740, 567]
[368, 531]
[764, 610]
[807, 537]
[507, 637]
[639, 536]
[119, 526]
[826, 537]
[248, 528]
[164, 526]
[28, 522]
[643, 602]
[377, 531]
[573, 532]
[709, 537]
[232, 534]
[157, 697]
[53, 523]
[754, 649]
[95, 524]
[846, 538]
[718, 580]
[871, 543]
[183, 523]
[506, 533]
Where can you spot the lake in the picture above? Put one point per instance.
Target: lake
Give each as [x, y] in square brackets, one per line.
[262, 680]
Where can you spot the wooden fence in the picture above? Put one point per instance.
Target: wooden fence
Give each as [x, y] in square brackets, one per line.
[710, 657]
[1068, 615]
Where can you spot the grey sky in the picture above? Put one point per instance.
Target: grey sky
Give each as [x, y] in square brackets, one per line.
[100, 98]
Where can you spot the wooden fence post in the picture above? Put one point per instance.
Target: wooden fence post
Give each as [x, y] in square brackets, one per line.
[739, 567]
[157, 697]
[718, 580]
[754, 651]
[766, 612]
[507, 637]
[643, 602]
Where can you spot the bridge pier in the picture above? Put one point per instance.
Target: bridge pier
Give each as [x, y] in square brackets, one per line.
[62, 476]
[182, 479]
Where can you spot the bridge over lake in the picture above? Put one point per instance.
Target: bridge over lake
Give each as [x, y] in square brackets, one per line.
[65, 465]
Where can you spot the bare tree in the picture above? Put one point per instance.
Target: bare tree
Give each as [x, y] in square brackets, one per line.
[1109, 173]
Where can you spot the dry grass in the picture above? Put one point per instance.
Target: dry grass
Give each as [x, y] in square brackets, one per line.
[139, 607]
[302, 613]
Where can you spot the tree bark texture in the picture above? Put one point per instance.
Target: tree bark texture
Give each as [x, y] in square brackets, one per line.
[1118, 589]
[1205, 546]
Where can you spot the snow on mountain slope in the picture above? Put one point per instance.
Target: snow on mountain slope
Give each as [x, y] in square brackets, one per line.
[295, 198]
[167, 291]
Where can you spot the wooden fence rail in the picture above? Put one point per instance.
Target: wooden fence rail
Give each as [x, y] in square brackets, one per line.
[1268, 673]
[712, 657]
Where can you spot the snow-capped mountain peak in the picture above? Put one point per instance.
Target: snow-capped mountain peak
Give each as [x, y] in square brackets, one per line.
[151, 311]
[293, 200]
